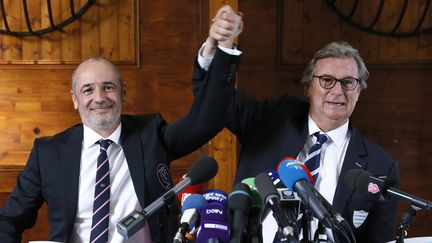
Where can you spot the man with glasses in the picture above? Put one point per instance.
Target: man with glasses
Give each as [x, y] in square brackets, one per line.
[270, 130]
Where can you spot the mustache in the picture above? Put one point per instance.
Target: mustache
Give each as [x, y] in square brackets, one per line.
[101, 105]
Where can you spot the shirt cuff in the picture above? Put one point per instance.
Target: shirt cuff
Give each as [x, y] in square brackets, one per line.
[205, 62]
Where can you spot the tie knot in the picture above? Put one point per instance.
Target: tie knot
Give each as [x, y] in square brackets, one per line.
[105, 143]
[321, 137]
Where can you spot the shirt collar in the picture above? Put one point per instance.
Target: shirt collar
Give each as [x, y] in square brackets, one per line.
[91, 137]
[337, 135]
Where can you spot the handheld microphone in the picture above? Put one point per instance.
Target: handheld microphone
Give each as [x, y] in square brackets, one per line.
[288, 199]
[254, 227]
[256, 198]
[274, 176]
[271, 198]
[202, 170]
[365, 181]
[239, 204]
[191, 210]
[308, 173]
[296, 179]
[336, 215]
[214, 224]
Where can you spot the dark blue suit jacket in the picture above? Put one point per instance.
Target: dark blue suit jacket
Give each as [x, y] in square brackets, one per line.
[51, 174]
[273, 129]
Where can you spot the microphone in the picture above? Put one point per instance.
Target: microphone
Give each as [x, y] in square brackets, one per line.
[214, 224]
[345, 227]
[365, 181]
[336, 215]
[308, 173]
[254, 227]
[239, 204]
[274, 176]
[256, 198]
[218, 196]
[296, 179]
[270, 196]
[191, 210]
[288, 199]
[202, 170]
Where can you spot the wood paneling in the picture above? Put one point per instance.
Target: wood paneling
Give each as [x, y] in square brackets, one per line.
[109, 29]
[305, 25]
[280, 37]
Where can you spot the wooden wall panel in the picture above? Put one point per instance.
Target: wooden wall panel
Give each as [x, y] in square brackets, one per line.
[102, 30]
[280, 37]
[313, 22]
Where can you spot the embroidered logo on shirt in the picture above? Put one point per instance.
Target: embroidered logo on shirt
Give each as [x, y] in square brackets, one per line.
[359, 216]
[163, 175]
[373, 188]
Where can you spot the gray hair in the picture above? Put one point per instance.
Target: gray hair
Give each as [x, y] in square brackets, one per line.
[338, 49]
[98, 58]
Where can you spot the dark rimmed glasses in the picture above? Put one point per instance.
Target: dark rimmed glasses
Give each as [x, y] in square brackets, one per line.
[328, 82]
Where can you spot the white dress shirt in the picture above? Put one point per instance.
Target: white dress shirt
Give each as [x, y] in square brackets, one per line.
[332, 156]
[123, 199]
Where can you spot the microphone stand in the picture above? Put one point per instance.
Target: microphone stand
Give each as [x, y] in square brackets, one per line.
[307, 221]
[405, 223]
[254, 227]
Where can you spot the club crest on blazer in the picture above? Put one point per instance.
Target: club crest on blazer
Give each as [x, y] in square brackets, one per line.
[163, 175]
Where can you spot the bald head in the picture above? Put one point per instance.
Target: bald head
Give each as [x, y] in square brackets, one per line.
[97, 59]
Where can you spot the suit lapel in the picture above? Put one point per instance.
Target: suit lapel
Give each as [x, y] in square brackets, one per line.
[297, 136]
[70, 157]
[354, 159]
[132, 147]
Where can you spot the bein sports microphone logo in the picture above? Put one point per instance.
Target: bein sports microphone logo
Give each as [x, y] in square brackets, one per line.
[373, 188]
[214, 211]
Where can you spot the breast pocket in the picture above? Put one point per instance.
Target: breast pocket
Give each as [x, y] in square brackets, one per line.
[359, 207]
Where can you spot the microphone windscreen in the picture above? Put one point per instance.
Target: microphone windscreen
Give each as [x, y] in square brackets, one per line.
[358, 179]
[256, 198]
[308, 173]
[195, 201]
[240, 198]
[285, 158]
[265, 186]
[218, 196]
[204, 169]
[291, 171]
[214, 223]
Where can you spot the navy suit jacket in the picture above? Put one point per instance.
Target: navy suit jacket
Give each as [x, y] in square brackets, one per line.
[51, 174]
[273, 129]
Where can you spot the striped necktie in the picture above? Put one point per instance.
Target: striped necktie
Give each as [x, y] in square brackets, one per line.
[313, 158]
[101, 203]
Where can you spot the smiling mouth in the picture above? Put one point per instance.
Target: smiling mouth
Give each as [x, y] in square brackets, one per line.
[101, 109]
[336, 103]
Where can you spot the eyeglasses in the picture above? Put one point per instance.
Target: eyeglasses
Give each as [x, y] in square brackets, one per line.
[328, 82]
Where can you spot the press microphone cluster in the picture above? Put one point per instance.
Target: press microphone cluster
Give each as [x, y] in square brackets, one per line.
[212, 216]
[297, 178]
[204, 169]
[271, 198]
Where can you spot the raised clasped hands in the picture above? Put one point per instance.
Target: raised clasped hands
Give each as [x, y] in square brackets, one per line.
[225, 28]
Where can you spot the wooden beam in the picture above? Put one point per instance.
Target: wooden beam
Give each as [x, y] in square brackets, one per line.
[224, 146]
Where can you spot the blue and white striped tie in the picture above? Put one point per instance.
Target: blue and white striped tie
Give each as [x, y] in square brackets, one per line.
[101, 203]
[313, 158]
